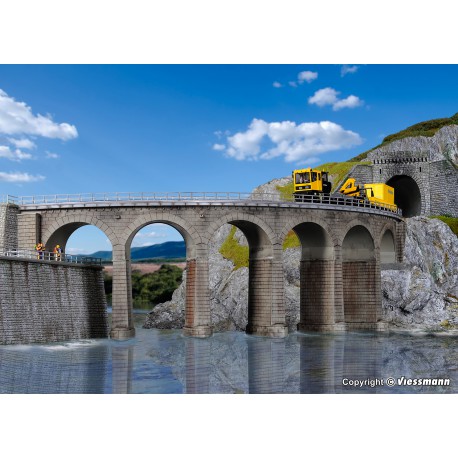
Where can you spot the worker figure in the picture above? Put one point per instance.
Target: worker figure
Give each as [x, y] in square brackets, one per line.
[57, 252]
[40, 248]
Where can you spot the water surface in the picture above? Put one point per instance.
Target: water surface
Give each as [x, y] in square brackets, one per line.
[163, 361]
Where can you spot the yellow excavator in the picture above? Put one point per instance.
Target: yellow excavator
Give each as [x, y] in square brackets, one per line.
[377, 193]
[314, 182]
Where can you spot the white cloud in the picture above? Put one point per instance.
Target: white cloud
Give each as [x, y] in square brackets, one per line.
[350, 102]
[277, 84]
[149, 235]
[218, 147]
[322, 97]
[16, 118]
[329, 96]
[348, 69]
[295, 142]
[146, 238]
[23, 143]
[293, 83]
[18, 177]
[50, 155]
[13, 155]
[307, 76]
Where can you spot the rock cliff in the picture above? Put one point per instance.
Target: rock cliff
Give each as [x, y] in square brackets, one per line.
[442, 145]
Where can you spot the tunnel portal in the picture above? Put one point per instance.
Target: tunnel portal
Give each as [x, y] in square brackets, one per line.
[407, 195]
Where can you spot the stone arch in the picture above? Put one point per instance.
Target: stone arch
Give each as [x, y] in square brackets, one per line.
[316, 277]
[408, 195]
[387, 245]
[266, 311]
[295, 222]
[62, 228]
[187, 231]
[255, 227]
[361, 278]
[353, 223]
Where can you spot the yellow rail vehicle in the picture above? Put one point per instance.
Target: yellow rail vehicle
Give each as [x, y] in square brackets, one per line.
[378, 193]
[311, 182]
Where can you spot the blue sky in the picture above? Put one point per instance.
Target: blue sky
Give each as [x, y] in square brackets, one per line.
[82, 128]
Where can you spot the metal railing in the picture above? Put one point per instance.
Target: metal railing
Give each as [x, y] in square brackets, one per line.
[333, 199]
[7, 199]
[324, 199]
[144, 196]
[49, 256]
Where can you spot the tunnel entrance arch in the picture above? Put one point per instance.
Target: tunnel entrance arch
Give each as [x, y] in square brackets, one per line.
[407, 195]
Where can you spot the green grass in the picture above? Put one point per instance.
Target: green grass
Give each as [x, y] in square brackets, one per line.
[232, 250]
[450, 221]
[286, 192]
[238, 254]
[291, 240]
[422, 129]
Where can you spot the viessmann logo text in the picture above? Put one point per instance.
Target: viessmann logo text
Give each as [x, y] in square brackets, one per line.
[391, 381]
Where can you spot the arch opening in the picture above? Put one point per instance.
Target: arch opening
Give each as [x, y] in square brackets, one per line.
[86, 240]
[407, 195]
[316, 273]
[158, 258]
[260, 253]
[387, 248]
[359, 274]
[259, 308]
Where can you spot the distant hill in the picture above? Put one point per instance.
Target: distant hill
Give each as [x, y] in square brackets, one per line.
[166, 250]
[424, 129]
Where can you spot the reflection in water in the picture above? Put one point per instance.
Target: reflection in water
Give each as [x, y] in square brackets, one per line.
[266, 365]
[197, 366]
[71, 367]
[122, 362]
[159, 361]
[325, 361]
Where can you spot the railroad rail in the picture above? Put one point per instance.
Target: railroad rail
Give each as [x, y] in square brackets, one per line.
[49, 256]
[197, 197]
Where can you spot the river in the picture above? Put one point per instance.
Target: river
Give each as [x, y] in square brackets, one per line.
[163, 361]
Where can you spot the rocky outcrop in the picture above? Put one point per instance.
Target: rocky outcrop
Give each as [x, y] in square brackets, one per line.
[443, 145]
[424, 293]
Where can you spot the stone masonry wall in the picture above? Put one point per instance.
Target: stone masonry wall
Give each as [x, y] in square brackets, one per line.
[444, 189]
[431, 161]
[8, 226]
[50, 302]
[362, 174]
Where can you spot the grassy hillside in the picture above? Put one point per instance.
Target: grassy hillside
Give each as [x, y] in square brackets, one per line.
[421, 129]
[450, 221]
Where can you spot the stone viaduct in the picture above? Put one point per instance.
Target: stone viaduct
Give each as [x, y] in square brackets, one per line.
[343, 247]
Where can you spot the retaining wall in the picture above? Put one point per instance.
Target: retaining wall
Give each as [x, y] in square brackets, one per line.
[52, 301]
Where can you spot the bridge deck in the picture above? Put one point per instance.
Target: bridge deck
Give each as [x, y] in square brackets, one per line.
[235, 199]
